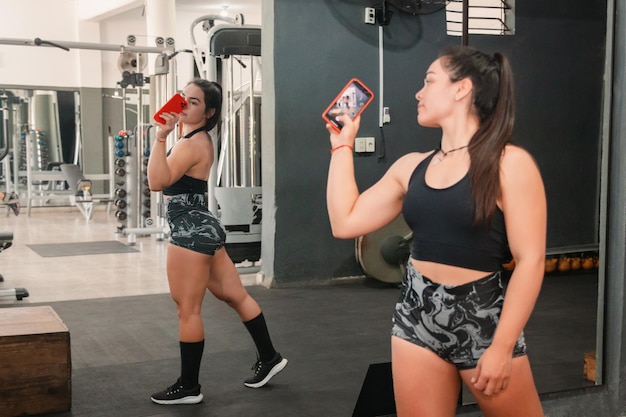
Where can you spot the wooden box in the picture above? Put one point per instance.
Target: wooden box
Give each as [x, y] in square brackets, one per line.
[35, 370]
[590, 366]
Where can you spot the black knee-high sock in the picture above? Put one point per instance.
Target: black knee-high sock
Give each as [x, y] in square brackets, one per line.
[261, 337]
[190, 358]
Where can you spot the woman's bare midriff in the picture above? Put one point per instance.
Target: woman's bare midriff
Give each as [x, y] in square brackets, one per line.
[448, 274]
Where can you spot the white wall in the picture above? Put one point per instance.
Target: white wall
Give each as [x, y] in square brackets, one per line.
[41, 66]
[58, 20]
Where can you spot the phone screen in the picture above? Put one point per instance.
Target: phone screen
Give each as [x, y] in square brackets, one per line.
[352, 100]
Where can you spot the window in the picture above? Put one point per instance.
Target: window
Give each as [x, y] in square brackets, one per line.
[487, 17]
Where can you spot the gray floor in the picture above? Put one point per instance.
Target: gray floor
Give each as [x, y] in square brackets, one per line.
[123, 349]
[124, 331]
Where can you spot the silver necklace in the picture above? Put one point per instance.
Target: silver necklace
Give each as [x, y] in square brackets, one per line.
[444, 153]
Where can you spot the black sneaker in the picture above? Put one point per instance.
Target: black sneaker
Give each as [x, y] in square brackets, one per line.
[264, 371]
[177, 394]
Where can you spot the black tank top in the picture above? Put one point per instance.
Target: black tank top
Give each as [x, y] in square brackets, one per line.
[442, 224]
[187, 184]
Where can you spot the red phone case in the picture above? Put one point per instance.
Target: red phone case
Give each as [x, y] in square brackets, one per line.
[357, 97]
[174, 105]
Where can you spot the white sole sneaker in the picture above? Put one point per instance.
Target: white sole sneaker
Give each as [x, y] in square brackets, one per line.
[190, 399]
[275, 370]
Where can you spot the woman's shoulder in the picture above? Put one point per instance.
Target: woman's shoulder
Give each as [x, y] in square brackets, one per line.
[517, 162]
[198, 141]
[402, 169]
[410, 160]
[515, 156]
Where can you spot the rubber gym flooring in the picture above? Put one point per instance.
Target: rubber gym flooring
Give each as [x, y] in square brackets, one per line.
[81, 248]
[125, 348]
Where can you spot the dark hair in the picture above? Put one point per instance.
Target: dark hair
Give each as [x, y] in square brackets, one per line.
[212, 99]
[493, 100]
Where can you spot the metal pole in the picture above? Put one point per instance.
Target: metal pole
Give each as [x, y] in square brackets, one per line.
[251, 123]
[83, 45]
[465, 28]
[139, 141]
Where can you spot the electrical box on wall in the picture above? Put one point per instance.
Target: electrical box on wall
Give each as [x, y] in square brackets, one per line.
[365, 145]
[370, 15]
[386, 115]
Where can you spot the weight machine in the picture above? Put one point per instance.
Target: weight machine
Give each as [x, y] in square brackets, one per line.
[6, 238]
[145, 209]
[47, 184]
[233, 59]
[12, 109]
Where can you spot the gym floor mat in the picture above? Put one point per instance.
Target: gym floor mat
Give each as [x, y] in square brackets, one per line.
[125, 348]
[50, 250]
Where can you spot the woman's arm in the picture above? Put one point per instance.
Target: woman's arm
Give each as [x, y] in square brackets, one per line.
[165, 170]
[525, 213]
[352, 213]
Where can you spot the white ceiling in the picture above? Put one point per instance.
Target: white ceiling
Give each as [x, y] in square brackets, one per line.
[233, 7]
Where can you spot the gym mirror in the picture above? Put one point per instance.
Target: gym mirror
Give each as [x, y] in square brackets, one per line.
[42, 130]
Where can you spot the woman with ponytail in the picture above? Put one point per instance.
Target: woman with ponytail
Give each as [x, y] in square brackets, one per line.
[470, 203]
[196, 258]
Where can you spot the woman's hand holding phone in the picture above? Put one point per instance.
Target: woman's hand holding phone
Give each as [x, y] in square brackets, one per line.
[347, 135]
[176, 104]
[342, 115]
[164, 129]
[167, 116]
[351, 101]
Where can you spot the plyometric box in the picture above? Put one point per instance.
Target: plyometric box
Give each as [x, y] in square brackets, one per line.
[35, 376]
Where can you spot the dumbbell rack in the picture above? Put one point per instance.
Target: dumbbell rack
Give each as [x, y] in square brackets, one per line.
[132, 193]
[121, 162]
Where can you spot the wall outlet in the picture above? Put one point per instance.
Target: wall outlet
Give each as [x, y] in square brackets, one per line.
[370, 15]
[365, 145]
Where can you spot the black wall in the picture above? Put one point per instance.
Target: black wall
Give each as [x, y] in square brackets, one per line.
[557, 56]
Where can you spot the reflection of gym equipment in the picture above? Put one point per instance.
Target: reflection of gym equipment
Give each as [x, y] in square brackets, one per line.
[235, 186]
[133, 195]
[45, 180]
[383, 253]
[49, 185]
[80, 189]
[129, 61]
[131, 66]
[11, 110]
[6, 240]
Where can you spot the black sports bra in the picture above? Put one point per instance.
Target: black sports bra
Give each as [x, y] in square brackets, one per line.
[187, 184]
[442, 221]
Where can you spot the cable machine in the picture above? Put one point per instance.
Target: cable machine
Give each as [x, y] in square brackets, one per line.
[233, 59]
[145, 210]
[164, 49]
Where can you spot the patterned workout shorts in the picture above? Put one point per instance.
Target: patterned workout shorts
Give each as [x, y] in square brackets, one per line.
[455, 322]
[192, 225]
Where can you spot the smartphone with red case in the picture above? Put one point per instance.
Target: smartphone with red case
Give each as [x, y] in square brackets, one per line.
[352, 100]
[174, 105]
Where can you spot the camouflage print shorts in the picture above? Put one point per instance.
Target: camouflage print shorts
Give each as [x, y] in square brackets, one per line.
[455, 322]
[192, 225]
